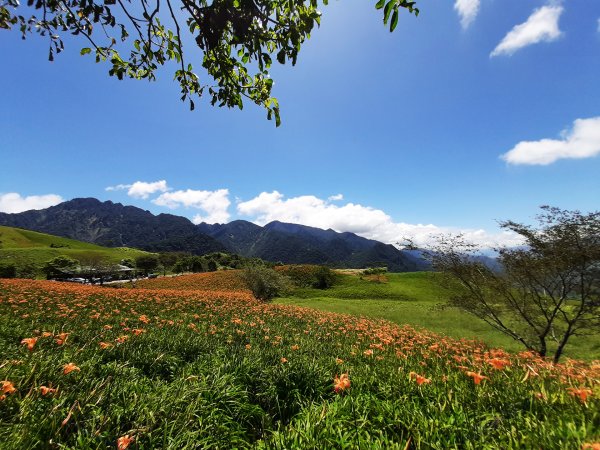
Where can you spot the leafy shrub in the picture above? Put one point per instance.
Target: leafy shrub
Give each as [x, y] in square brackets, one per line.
[265, 283]
[27, 270]
[309, 275]
[8, 270]
[59, 265]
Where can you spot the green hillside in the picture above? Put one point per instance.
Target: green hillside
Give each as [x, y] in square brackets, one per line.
[29, 247]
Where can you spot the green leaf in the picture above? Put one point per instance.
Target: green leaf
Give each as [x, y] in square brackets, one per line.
[85, 51]
[380, 4]
[388, 10]
[394, 20]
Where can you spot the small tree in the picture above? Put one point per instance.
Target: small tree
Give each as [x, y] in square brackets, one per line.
[546, 291]
[59, 266]
[95, 266]
[324, 278]
[167, 260]
[212, 265]
[146, 263]
[265, 283]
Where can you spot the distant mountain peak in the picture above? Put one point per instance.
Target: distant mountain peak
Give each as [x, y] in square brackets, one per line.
[116, 225]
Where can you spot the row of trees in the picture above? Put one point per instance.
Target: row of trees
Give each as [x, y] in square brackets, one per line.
[179, 262]
[95, 263]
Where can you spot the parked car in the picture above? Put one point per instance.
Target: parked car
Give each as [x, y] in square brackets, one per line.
[76, 280]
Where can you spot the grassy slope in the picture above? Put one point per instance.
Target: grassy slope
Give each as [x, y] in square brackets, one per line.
[24, 246]
[415, 299]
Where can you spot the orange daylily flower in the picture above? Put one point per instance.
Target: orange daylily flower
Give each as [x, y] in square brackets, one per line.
[581, 393]
[591, 446]
[498, 364]
[295, 347]
[61, 338]
[419, 378]
[284, 360]
[70, 367]
[30, 342]
[341, 383]
[105, 345]
[46, 334]
[8, 387]
[368, 352]
[339, 361]
[123, 442]
[477, 377]
[45, 390]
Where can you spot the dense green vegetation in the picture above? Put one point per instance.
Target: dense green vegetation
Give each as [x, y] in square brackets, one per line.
[416, 299]
[91, 367]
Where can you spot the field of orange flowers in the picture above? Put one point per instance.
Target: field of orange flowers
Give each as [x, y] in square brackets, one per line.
[228, 280]
[92, 367]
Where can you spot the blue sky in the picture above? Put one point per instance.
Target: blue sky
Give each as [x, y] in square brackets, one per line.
[475, 111]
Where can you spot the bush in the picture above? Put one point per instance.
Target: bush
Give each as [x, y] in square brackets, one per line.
[28, 270]
[8, 270]
[59, 266]
[308, 275]
[265, 283]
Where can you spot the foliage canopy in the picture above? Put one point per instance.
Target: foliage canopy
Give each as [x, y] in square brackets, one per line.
[238, 39]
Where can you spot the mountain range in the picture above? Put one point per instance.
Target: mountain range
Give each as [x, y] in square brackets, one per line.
[115, 225]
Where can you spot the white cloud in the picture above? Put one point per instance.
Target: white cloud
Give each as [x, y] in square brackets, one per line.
[214, 203]
[582, 141]
[541, 26]
[141, 189]
[12, 202]
[599, 25]
[467, 10]
[335, 198]
[363, 220]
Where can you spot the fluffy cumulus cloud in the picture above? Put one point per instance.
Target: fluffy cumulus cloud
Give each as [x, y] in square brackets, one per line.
[13, 202]
[141, 189]
[541, 26]
[365, 221]
[214, 204]
[582, 141]
[467, 11]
